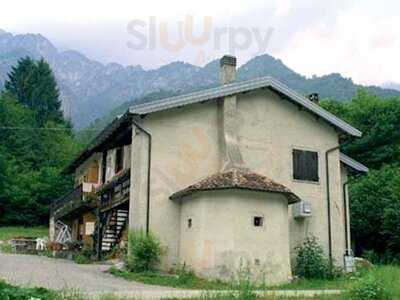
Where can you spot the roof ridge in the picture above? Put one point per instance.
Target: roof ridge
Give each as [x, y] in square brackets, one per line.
[240, 87]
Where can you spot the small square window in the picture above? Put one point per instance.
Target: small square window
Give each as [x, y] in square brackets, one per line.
[258, 221]
[189, 223]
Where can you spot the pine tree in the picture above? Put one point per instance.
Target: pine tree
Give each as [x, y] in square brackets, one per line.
[21, 81]
[34, 85]
[46, 94]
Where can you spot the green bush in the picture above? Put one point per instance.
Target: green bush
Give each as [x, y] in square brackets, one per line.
[367, 288]
[82, 259]
[144, 251]
[311, 262]
[84, 256]
[371, 256]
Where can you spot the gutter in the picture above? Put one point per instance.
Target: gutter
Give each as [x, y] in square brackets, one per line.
[328, 200]
[148, 173]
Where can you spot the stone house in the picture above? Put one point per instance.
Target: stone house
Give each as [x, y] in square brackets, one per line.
[239, 173]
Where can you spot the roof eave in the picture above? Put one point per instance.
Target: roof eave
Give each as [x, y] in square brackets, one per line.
[96, 142]
[240, 87]
[353, 164]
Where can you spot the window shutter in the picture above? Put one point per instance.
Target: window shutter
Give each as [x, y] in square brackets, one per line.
[305, 165]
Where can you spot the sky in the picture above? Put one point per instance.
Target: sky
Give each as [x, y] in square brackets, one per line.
[359, 39]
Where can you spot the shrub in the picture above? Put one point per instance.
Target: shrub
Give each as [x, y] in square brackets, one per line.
[367, 288]
[311, 262]
[144, 251]
[84, 256]
[82, 259]
[371, 256]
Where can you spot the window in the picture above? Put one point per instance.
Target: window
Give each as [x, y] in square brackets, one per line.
[258, 221]
[119, 160]
[305, 165]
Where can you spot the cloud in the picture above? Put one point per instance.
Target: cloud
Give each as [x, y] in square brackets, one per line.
[356, 38]
[360, 45]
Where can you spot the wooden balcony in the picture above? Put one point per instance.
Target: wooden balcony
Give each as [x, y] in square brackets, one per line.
[80, 197]
[115, 192]
[84, 197]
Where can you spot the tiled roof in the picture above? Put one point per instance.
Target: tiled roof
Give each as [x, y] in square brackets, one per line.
[237, 179]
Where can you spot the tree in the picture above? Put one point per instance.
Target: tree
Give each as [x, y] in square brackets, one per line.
[375, 217]
[379, 120]
[45, 94]
[21, 80]
[375, 198]
[31, 159]
[3, 177]
[34, 85]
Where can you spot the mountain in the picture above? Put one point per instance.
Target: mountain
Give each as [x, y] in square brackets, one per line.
[391, 85]
[90, 89]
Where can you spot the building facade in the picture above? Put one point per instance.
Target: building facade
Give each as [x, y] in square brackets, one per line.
[237, 174]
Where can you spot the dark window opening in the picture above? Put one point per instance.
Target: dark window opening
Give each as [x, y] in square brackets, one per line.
[258, 221]
[305, 165]
[119, 160]
[189, 223]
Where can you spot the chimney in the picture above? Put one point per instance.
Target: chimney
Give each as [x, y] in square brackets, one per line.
[228, 122]
[314, 97]
[228, 69]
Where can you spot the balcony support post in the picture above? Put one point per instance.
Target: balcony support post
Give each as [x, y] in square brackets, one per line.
[52, 229]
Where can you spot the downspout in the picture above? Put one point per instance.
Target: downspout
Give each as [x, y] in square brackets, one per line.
[328, 200]
[148, 174]
[346, 221]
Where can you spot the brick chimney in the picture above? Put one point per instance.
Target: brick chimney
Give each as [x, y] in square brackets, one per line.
[228, 69]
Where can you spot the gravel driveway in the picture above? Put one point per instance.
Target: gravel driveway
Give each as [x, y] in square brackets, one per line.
[39, 271]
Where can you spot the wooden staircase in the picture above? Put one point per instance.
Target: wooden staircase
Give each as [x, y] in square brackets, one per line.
[113, 229]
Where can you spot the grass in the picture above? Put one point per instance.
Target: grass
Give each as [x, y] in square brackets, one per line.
[388, 275]
[10, 232]
[190, 281]
[315, 284]
[8, 291]
[184, 281]
[11, 292]
[229, 297]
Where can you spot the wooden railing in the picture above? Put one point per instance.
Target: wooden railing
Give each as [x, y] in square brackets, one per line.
[108, 196]
[73, 196]
[114, 192]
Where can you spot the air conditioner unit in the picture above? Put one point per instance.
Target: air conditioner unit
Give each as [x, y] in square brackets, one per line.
[302, 209]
